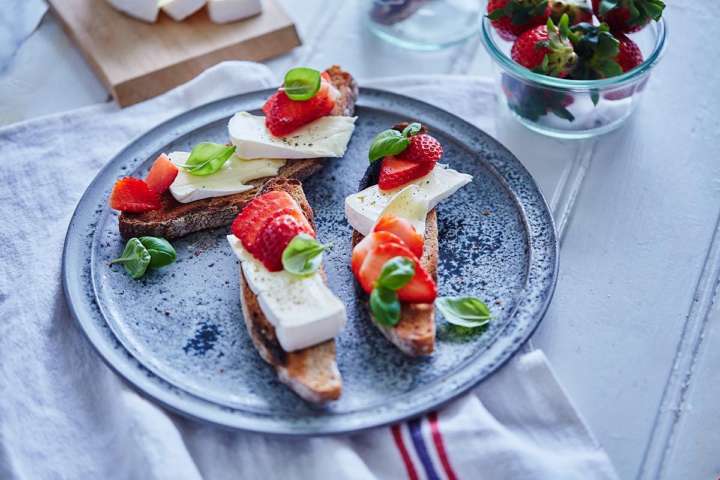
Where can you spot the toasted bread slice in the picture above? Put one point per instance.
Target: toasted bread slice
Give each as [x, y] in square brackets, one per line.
[312, 372]
[414, 335]
[175, 219]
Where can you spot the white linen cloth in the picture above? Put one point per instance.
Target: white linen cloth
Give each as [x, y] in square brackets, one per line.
[65, 415]
[18, 19]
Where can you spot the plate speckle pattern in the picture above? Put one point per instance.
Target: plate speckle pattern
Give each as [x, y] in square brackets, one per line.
[178, 335]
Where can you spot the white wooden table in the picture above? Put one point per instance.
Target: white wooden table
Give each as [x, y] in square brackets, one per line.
[633, 332]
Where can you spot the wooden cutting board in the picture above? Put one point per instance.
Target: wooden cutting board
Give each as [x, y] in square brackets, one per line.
[137, 60]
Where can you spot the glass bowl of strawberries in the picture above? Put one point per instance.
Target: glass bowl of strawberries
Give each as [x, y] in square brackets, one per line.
[573, 68]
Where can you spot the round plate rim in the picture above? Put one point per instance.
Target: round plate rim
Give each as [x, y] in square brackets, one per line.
[186, 404]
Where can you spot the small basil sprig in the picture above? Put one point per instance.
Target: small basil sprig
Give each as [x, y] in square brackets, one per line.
[385, 306]
[161, 251]
[207, 158]
[468, 312]
[303, 255]
[392, 142]
[135, 258]
[301, 83]
[384, 303]
[145, 252]
[396, 273]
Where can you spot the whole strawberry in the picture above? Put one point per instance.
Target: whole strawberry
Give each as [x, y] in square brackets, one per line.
[629, 55]
[627, 16]
[546, 49]
[579, 11]
[513, 17]
[601, 53]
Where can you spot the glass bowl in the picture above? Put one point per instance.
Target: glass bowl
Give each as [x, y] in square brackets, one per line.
[571, 109]
[423, 24]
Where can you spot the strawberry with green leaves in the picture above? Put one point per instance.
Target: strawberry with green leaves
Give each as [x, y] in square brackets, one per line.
[603, 54]
[305, 96]
[547, 49]
[406, 155]
[513, 17]
[627, 16]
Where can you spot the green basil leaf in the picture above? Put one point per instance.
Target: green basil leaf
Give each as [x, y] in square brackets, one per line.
[161, 251]
[388, 142]
[467, 312]
[303, 255]
[135, 258]
[302, 83]
[396, 273]
[411, 129]
[654, 9]
[385, 306]
[207, 158]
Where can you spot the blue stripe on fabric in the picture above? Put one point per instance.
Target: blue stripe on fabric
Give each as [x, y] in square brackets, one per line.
[421, 449]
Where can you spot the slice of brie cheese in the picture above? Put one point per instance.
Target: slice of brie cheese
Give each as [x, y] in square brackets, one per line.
[363, 209]
[410, 203]
[304, 311]
[223, 11]
[231, 178]
[325, 137]
[179, 10]
[145, 10]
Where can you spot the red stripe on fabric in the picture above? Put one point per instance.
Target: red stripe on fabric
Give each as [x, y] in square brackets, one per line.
[440, 446]
[400, 444]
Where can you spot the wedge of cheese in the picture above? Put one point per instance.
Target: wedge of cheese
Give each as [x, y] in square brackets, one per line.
[224, 11]
[145, 10]
[179, 10]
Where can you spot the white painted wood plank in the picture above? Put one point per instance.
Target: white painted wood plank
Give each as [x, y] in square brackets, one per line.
[634, 251]
[695, 445]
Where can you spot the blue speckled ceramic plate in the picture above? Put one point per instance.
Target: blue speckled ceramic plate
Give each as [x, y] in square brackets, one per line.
[178, 335]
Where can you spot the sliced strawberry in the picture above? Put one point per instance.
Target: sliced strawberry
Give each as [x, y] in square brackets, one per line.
[283, 115]
[421, 289]
[133, 195]
[423, 148]
[162, 174]
[395, 172]
[403, 229]
[274, 238]
[259, 211]
[366, 244]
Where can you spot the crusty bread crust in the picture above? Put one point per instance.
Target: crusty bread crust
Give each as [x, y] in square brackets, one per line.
[414, 335]
[175, 219]
[312, 372]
